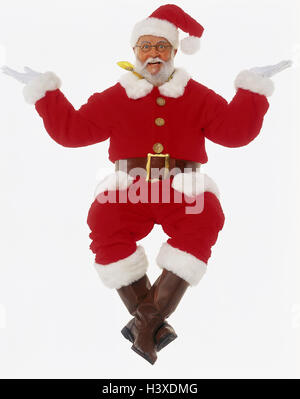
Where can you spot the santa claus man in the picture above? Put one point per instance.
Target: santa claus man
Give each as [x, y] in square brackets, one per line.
[157, 118]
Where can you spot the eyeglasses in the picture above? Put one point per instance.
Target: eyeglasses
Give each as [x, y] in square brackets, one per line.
[160, 47]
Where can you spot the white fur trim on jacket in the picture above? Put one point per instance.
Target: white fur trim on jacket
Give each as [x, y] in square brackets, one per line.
[124, 271]
[137, 88]
[175, 86]
[118, 180]
[37, 87]
[254, 82]
[194, 183]
[134, 86]
[185, 265]
[156, 27]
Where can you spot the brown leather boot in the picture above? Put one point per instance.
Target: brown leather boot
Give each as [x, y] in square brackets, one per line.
[161, 301]
[164, 335]
[131, 296]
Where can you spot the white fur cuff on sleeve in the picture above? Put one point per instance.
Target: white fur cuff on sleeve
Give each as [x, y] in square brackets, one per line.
[254, 82]
[37, 87]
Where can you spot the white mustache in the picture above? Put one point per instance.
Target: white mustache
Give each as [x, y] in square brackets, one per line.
[156, 59]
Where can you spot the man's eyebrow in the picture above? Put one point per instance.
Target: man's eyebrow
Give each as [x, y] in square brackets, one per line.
[160, 41]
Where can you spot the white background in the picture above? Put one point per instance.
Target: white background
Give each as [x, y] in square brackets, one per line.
[57, 320]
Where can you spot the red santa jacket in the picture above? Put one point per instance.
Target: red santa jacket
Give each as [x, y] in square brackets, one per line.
[135, 115]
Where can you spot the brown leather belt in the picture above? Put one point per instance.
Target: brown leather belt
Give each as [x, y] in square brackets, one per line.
[156, 166]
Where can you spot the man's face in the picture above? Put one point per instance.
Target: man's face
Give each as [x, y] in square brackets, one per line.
[153, 68]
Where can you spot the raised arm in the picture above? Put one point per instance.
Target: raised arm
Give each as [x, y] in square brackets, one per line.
[237, 123]
[67, 126]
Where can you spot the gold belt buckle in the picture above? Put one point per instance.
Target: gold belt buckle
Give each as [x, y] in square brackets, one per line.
[148, 165]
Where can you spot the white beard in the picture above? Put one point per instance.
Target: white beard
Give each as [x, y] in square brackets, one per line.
[162, 76]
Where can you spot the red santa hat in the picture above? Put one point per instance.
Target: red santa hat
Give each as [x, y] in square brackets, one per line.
[165, 22]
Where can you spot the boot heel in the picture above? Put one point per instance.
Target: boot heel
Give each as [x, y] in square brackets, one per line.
[164, 341]
[127, 334]
[164, 335]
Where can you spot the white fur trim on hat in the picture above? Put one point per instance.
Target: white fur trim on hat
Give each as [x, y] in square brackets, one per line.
[194, 183]
[124, 271]
[185, 265]
[156, 27]
[190, 45]
[37, 87]
[254, 82]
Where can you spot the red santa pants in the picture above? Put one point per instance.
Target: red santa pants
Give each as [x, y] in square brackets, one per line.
[192, 224]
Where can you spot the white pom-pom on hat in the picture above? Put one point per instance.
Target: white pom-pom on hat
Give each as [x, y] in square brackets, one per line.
[190, 45]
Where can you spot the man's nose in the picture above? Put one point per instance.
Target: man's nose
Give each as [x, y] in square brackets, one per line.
[154, 52]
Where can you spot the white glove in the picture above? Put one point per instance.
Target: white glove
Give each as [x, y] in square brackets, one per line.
[270, 70]
[25, 78]
[36, 83]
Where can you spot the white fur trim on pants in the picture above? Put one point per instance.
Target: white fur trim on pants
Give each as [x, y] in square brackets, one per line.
[194, 183]
[124, 271]
[185, 265]
[118, 180]
[254, 82]
[37, 87]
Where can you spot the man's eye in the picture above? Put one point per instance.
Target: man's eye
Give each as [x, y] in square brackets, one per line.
[161, 46]
[146, 46]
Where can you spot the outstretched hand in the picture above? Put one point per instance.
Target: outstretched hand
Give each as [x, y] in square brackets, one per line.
[270, 70]
[19, 76]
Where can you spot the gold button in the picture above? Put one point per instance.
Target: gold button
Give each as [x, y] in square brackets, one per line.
[159, 121]
[160, 101]
[158, 148]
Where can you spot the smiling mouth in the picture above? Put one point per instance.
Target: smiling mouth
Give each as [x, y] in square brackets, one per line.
[154, 63]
